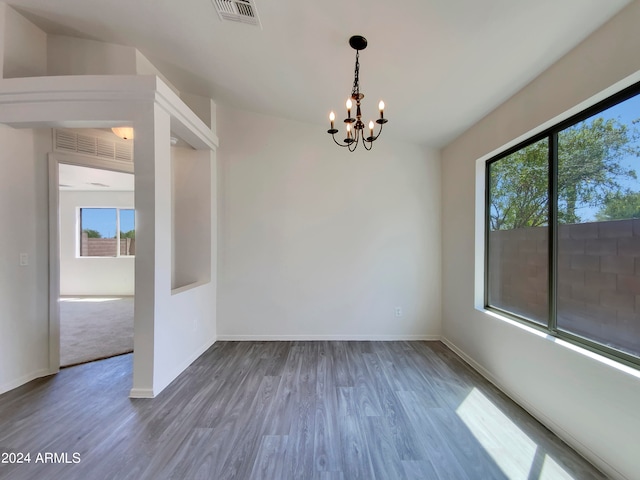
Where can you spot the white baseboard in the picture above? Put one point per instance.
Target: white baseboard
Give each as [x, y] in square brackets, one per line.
[565, 436]
[336, 338]
[144, 393]
[141, 393]
[18, 382]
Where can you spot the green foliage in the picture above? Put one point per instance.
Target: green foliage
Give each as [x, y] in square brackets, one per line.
[92, 233]
[589, 169]
[129, 234]
[589, 172]
[620, 206]
[519, 186]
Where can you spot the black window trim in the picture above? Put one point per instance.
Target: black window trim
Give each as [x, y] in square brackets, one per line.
[551, 134]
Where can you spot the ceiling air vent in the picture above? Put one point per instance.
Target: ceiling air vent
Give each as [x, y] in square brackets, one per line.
[238, 11]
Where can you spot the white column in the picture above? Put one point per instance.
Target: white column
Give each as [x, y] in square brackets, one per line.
[153, 242]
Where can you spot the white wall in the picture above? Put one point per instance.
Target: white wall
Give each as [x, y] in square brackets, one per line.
[75, 56]
[317, 242]
[24, 290]
[25, 47]
[203, 107]
[79, 56]
[3, 15]
[88, 275]
[590, 404]
[191, 216]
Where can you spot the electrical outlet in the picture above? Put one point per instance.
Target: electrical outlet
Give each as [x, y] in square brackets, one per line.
[24, 259]
[398, 311]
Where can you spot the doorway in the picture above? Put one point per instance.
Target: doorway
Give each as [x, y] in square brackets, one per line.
[93, 259]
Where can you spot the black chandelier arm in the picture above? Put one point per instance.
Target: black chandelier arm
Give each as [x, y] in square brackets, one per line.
[338, 143]
[341, 144]
[372, 139]
[354, 144]
[379, 132]
[358, 136]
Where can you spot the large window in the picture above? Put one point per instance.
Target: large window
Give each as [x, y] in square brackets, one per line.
[107, 232]
[563, 229]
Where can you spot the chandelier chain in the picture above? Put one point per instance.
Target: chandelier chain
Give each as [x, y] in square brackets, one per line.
[355, 92]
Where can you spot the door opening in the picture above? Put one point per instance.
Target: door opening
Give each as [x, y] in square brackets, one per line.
[92, 250]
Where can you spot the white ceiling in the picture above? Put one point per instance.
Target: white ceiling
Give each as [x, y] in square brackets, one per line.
[439, 65]
[76, 178]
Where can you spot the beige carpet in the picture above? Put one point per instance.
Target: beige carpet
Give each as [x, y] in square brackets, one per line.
[92, 328]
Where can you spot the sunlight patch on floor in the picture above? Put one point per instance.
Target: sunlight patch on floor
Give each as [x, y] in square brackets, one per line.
[509, 447]
[552, 471]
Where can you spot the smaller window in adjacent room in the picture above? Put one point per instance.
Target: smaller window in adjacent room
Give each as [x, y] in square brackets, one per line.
[107, 232]
[563, 229]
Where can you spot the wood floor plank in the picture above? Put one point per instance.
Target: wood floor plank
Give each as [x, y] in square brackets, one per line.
[419, 470]
[194, 458]
[404, 440]
[343, 377]
[329, 476]
[436, 449]
[327, 448]
[254, 394]
[285, 410]
[299, 458]
[364, 390]
[279, 423]
[475, 460]
[269, 462]
[356, 459]
[385, 461]
[403, 375]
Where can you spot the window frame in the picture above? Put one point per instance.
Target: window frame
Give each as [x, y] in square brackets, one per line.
[80, 229]
[551, 134]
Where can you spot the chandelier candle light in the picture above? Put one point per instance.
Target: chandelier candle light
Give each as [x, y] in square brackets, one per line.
[355, 126]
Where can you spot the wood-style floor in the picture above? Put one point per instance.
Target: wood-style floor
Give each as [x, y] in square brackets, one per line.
[284, 410]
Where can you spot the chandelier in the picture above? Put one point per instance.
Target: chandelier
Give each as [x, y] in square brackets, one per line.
[355, 126]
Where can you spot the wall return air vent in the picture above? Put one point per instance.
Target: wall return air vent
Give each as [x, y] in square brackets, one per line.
[243, 11]
[93, 143]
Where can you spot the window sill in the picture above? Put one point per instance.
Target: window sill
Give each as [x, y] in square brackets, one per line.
[190, 286]
[598, 357]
